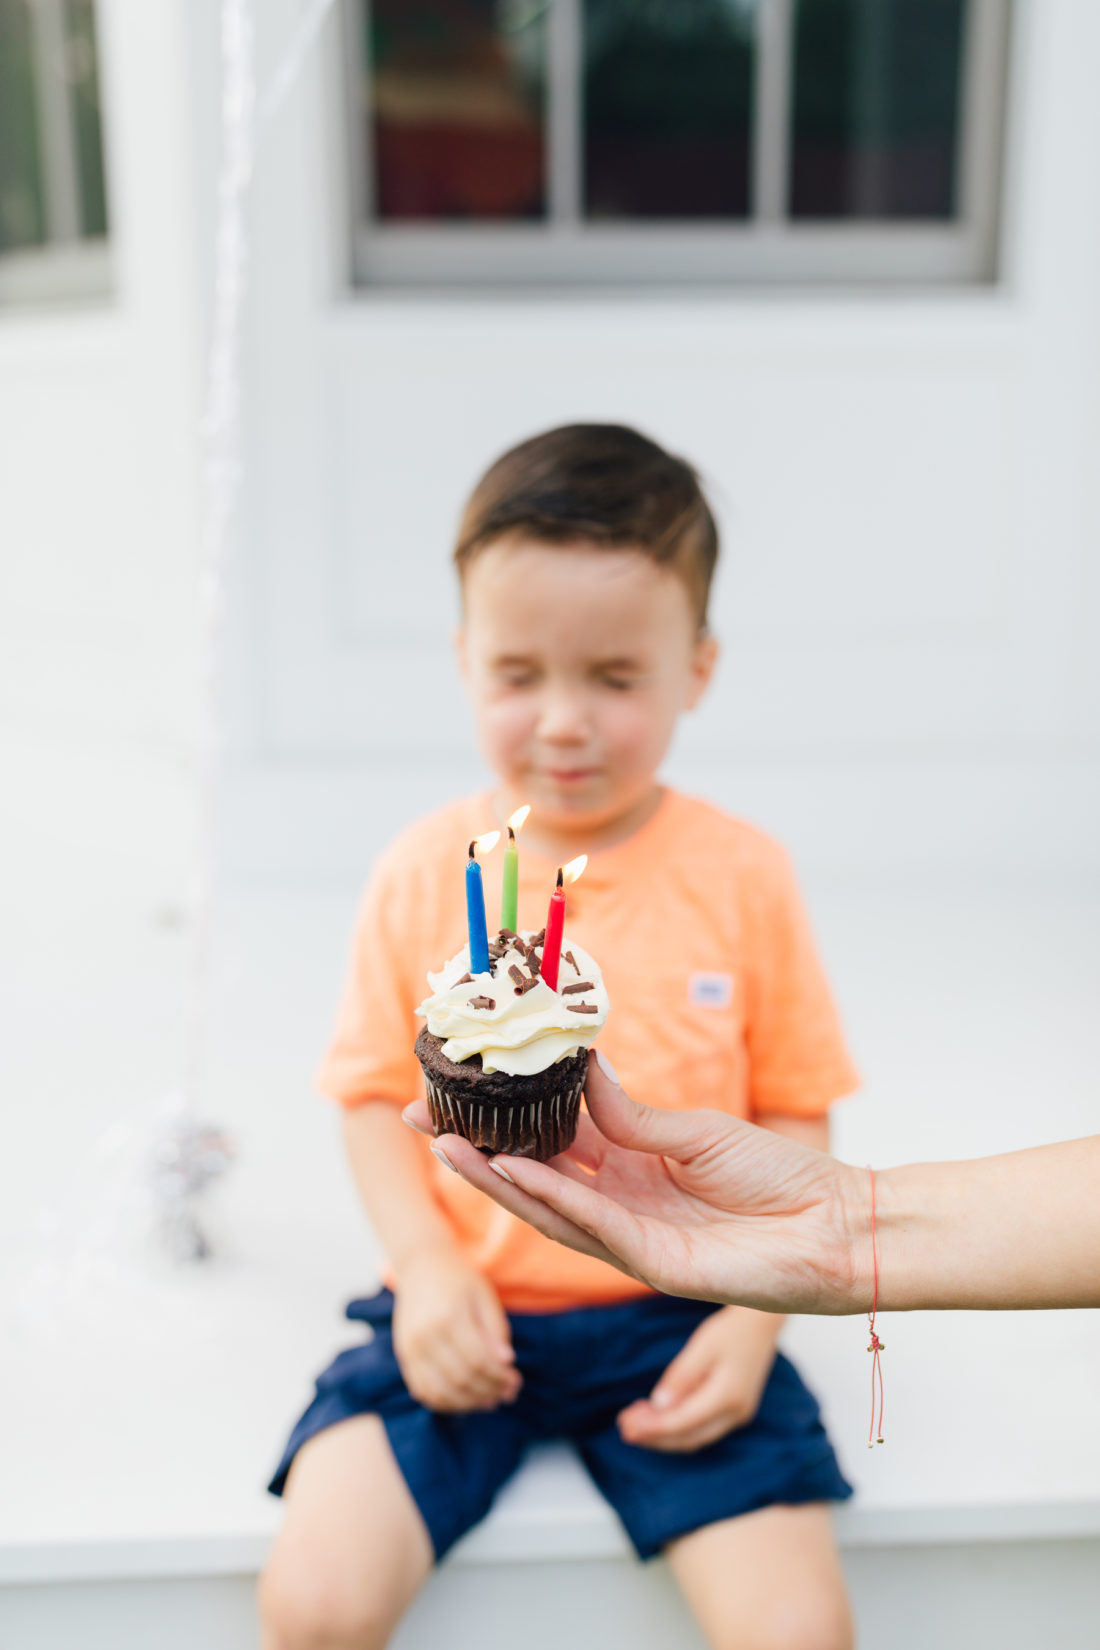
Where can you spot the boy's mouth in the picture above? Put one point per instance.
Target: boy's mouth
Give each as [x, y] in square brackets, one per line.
[570, 776]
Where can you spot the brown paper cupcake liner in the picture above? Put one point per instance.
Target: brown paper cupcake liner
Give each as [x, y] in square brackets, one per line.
[535, 1128]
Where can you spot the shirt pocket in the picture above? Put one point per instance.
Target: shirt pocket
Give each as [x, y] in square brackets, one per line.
[682, 1041]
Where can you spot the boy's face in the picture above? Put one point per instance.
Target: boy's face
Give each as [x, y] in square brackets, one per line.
[579, 659]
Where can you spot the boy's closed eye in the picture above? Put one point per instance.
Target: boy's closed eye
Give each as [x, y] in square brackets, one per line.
[514, 671]
[621, 673]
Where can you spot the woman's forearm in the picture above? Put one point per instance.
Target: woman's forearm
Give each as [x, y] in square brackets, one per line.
[387, 1161]
[1018, 1230]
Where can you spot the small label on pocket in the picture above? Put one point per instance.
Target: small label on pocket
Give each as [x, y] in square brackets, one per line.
[711, 990]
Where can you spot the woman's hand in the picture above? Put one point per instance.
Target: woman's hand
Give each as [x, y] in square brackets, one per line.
[451, 1335]
[693, 1203]
[712, 1386]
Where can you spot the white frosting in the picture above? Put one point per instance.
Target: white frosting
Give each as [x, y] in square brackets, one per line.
[520, 1035]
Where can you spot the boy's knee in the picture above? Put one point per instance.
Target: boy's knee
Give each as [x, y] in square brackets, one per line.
[302, 1609]
[815, 1620]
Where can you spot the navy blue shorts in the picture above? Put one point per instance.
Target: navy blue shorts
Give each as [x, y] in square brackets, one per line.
[580, 1368]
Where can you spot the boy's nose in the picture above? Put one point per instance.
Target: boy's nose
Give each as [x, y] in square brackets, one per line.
[562, 721]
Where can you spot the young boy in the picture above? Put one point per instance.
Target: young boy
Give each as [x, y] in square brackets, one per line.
[585, 557]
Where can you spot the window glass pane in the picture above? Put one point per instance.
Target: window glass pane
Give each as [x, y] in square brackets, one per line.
[22, 198]
[667, 107]
[82, 67]
[876, 108]
[52, 190]
[456, 98]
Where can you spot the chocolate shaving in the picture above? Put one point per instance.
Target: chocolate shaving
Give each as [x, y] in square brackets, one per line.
[482, 1002]
[465, 980]
[534, 961]
[539, 937]
[514, 975]
[507, 934]
[578, 985]
[583, 1008]
[528, 985]
[569, 957]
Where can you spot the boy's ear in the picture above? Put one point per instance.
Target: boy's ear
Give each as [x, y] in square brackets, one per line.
[703, 660]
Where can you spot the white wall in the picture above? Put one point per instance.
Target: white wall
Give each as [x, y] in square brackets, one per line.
[98, 409]
[909, 603]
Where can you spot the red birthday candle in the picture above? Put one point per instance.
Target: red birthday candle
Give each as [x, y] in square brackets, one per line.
[555, 922]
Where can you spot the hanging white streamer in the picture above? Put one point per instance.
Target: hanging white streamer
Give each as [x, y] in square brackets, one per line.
[220, 476]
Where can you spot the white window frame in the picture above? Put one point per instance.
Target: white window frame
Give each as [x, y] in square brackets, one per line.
[767, 248]
[67, 265]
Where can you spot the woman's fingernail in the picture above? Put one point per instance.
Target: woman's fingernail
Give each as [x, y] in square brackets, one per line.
[503, 1173]
[443, 1158]
[660, 1399]
[607, 1068]
[414, 1125]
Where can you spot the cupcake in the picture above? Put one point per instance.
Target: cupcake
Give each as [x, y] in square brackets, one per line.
[504, 1055]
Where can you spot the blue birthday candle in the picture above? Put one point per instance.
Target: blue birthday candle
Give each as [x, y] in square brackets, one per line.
[475, 905]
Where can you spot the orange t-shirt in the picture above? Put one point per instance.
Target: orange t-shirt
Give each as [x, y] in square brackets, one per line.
[717, 996]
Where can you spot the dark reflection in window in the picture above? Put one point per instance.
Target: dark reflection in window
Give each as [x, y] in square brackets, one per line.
[49, 97]
[22, 199]
[83, 75]
[876, 108]
[456, 100]
[667, 108]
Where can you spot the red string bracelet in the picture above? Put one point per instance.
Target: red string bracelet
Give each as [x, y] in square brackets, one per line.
[876, 1345]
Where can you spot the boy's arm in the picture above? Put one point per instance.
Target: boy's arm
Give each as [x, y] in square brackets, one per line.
[450, 1333]
[387, 1162]
[716, 1382]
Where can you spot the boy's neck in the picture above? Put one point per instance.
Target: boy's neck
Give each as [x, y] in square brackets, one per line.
[589, 838]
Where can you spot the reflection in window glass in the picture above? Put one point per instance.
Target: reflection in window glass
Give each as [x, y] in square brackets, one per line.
[876, 108]
[667, 108]
[83, 78]
[52, 190]
[22, 198]
[457, 96]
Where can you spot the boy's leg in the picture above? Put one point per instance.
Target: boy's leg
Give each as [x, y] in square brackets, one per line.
[353, 1551]
[767, 1580]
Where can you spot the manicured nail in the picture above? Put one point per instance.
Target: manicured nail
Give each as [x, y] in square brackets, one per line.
[443, 1158]
[607, 1068]
[660, 1399]
[415, 1126]
[503, 1173]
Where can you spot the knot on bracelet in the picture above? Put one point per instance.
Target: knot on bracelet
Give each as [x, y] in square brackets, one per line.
[876, 1345]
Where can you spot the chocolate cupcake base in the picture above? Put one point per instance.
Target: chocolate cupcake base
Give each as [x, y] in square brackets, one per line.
[533, 1116]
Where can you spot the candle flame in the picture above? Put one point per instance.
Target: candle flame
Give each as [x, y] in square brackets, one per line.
[485, 844]
[574, 869]
[518, 820]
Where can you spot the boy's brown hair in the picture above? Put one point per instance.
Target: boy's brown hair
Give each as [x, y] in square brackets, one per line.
[601, 483]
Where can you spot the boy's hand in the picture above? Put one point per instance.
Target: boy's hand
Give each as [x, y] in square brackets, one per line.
[712, 1386]
[451, 1335]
